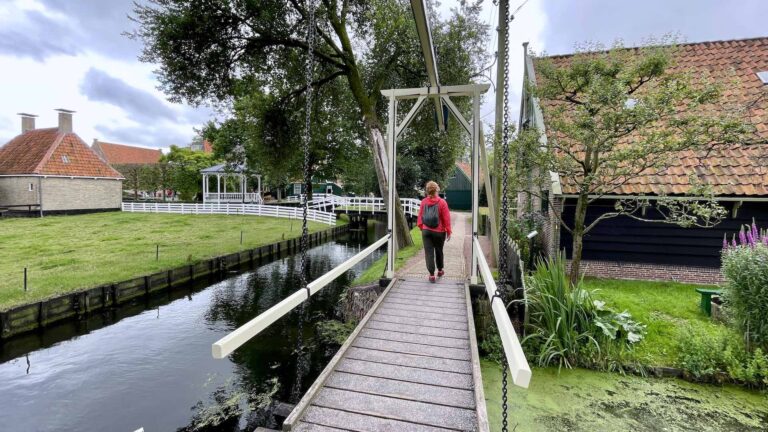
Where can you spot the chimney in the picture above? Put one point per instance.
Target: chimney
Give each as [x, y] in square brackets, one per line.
[27, 122]
[65, 120]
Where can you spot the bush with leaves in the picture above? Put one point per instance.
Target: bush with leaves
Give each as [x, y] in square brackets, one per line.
[745, 267]
[567, 327]
[723, 358]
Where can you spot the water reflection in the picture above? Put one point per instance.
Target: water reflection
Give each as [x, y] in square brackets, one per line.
[149, 364]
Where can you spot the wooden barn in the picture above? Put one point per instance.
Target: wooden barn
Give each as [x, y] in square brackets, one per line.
[623, 247]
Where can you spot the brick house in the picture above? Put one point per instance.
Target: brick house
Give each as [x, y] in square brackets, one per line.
[627, 248]
[139, 167]
[54, 171]
[121, 154]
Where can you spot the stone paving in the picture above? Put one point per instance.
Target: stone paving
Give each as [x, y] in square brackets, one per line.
[455, 252]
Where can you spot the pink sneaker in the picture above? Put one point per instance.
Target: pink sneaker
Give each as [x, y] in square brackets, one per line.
[432, 279]
[440, 273]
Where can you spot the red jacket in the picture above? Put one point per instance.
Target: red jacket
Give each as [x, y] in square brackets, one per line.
[444, 215]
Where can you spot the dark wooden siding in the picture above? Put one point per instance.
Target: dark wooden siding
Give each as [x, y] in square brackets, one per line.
[458, 191]
[629, 240]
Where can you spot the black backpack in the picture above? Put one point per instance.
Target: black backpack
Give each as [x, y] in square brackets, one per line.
[431, 215]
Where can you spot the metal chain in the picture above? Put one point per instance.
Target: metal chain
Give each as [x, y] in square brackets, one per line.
[302, 360]
[307, 138]
[503, 233]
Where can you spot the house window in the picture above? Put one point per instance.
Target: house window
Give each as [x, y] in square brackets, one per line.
[31, 187]
[763, 75]
[64, 159]
[297, 188]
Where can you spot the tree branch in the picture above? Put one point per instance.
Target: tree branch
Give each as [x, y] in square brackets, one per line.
[317, 84]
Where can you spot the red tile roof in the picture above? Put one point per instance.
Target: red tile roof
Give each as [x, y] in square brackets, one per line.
[466, 168]
[50, 152]
[738, 170]
[116, 154]
[207, 147]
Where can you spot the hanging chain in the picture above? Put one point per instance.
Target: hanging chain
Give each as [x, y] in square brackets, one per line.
[503, 233]
[307, 138]
[302, 360]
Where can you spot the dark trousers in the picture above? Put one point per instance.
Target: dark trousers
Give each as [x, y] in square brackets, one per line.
[433, 249]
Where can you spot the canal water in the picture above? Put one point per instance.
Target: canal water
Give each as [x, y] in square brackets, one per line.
[149, 364]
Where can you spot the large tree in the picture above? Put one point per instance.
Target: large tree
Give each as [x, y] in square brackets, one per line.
[615, 116]
[207, 50]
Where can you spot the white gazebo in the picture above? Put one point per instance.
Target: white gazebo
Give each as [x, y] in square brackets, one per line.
[231, 185]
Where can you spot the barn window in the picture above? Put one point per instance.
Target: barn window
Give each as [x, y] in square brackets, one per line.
[64, 159]
[297, 189]
[31, 187]
[763, 76]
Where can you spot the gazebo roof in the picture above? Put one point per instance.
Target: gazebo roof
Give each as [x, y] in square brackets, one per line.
[223, 169]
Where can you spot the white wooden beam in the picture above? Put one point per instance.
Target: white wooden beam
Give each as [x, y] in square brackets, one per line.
[420, 15]
[411, 114]
[455, 90]
[518, 364]
[456, 113]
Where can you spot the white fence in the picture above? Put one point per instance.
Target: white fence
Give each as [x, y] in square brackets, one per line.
[231, 209]
[362, 204]
[234, 197]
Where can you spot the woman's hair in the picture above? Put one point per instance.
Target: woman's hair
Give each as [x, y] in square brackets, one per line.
[432, 188]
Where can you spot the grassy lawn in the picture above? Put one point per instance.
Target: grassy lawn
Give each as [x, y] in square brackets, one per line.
[583, 400]
[66, 253]
[375, 271]
[667, 308]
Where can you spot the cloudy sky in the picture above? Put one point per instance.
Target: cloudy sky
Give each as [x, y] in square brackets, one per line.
[71, 54]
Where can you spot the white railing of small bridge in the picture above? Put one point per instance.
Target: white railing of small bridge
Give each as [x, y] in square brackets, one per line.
[231, 209]
[362, 204]
[519, 369]
[234, 197]
[224, 346]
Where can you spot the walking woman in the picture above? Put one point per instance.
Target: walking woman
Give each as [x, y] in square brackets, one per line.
[435, 225]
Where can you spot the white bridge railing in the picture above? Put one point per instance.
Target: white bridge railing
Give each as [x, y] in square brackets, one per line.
[234, 197]
[362, 204]
[513, 351]
[231, 209]
[224, 346]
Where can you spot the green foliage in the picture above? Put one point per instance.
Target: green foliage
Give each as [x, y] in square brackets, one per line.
[334, 332]
[252, 55]
[376, 270]
[719, 359]
[566, 326]
[746, 291]
[184, 166]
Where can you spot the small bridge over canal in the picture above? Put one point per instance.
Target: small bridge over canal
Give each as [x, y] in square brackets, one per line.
[412, 363]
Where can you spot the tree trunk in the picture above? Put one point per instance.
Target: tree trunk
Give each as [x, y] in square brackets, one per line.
[379, 151]
[578, 238]
[378, 148]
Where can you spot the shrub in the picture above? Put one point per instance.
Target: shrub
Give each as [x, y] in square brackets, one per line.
[566, 326]
[722, 358]
[745, 268]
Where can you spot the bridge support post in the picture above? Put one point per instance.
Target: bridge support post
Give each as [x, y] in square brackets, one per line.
[475, 179]
[391, 167]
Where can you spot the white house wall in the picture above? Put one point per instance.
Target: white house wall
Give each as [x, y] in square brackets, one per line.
[63, 193]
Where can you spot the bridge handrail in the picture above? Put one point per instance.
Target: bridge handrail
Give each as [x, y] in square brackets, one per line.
[513, 351]
[361, 204]
[224, 346]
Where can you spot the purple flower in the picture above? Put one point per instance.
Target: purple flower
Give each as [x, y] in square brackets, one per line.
[750, 239]
[765, 240]
[755, 232]
[733, 241]
[742, 238]
[725, 242]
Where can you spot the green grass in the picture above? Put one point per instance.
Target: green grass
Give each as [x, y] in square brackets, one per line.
[583, 400]
[376, 270]
[67, 253]
[667, 308]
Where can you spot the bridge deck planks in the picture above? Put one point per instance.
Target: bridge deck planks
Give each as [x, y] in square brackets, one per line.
[409, 366]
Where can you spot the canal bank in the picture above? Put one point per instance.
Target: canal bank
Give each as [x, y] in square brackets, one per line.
[77, 304]
[147, 363]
